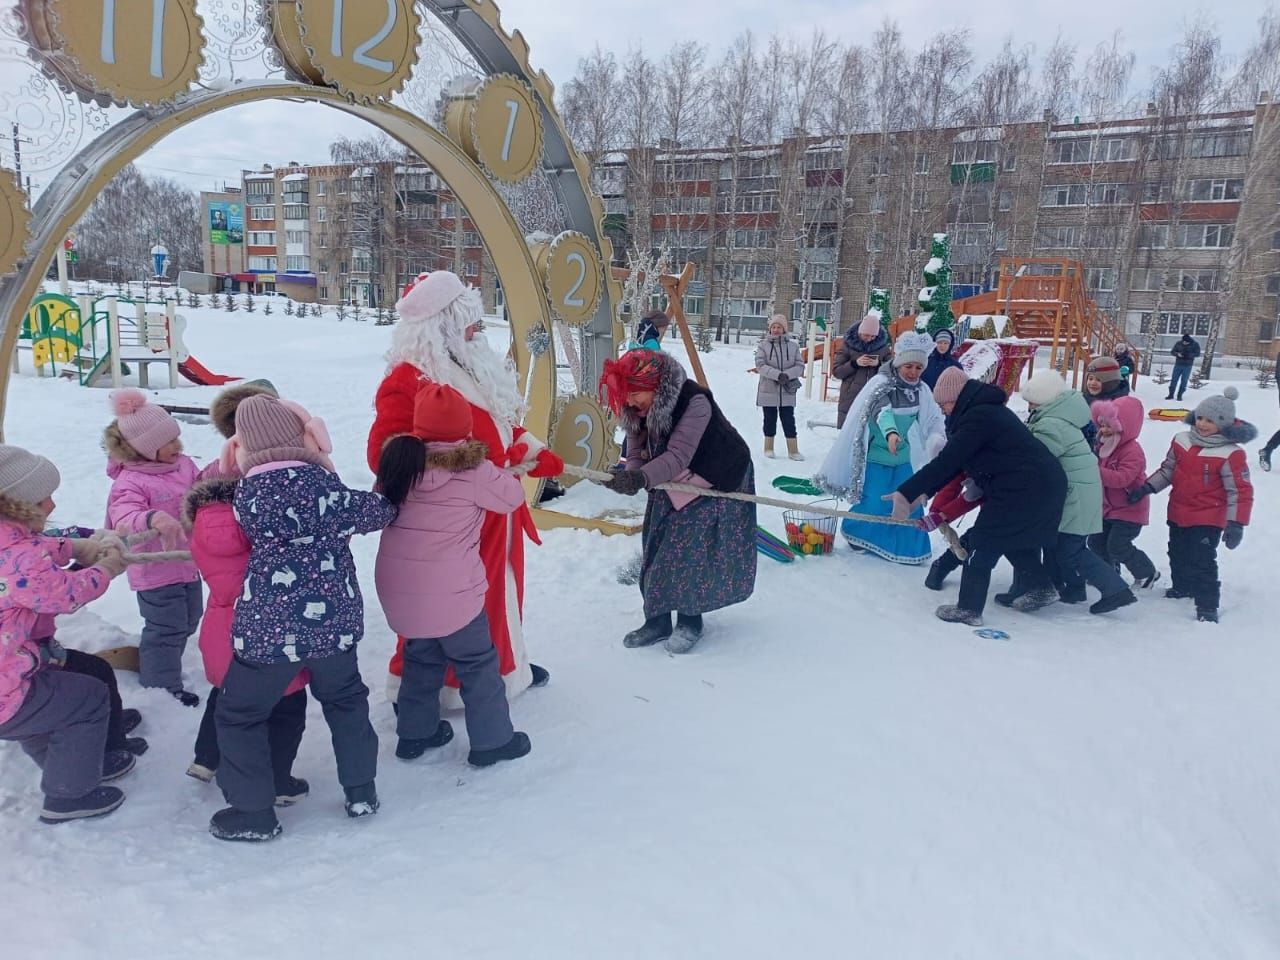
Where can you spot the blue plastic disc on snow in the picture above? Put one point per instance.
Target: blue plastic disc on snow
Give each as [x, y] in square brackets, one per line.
[988, 634]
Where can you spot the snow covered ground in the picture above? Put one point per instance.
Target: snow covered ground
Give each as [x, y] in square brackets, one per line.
[833, 773]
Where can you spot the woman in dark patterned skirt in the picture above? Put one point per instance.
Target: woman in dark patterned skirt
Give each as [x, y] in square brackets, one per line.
[699, 552]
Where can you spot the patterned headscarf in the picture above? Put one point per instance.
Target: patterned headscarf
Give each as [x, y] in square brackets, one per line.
[634, 371]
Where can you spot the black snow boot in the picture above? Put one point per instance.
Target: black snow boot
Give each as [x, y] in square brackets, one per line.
[186, 698]
[247, 826]
[413, 749]
[1073, 594]
[1036, 599]
[362, 801]
[1264, 459]
[130, 718]
[513, 749]
[1173, 593]
[1114, 602]
[291, 791]
[940, 569]
[1205, 615]
[136, 745]
[116, 763]
[96, 803]
[687, 633]
[541, 675]
[654, 629]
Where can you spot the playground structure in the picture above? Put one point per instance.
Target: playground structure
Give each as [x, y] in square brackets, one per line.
[99, 340]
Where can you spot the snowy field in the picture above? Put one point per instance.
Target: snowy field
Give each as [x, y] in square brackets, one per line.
[832, 773]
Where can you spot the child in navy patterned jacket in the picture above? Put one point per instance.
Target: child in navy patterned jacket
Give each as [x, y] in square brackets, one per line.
[301, 606]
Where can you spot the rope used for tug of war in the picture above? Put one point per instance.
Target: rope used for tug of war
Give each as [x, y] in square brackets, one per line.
[112, 539]
[601, 477]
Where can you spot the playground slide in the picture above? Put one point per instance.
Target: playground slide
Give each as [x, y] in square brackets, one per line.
[197, 372]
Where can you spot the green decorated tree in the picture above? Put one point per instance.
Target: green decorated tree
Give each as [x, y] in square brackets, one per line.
[880, 304]
[935, 297]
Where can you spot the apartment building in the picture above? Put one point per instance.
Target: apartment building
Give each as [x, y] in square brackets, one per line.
[344, 233]
[1176, 220]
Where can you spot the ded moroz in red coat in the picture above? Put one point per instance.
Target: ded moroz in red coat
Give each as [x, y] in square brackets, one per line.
[501, 537]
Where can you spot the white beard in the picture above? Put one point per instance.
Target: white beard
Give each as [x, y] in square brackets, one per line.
[438, 347]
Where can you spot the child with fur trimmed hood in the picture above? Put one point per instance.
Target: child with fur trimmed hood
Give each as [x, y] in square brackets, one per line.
[431, 580]
[149, 477]
[221, 553]
[1210, 498]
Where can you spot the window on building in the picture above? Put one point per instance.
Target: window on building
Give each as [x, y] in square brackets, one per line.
[1114, 150]
[1071, 151]
[1111, 194]
[295, 236]
[1176, 323]
[1197, 281]
[877, 202]
[470, 239]
[259, 191]
[1064, 195]
[877, 166]
[922, 163]
[748, 203]
[919, 199]
[360, 262]
[1100, 278]
[472, 268]
[1010, 161]
[1273, 285]
[297, 211]
[746, 272]
[965, 235]
[448, 211]
[1059, 237]
[828, 158]
[264, 264]
[679, 205]
[755, 239]
[1157, 192]
[1204, 191]
[1235, 144]
[1006, 200]
[1002, 240]
[321, 186]
[295, 264]
[262, 238]
[693, 306]
[322, 214]
[816, 273]
[875, 241]
[975, 151]
[1202, 236]
[1153, 236]
[262, 213]
[1266, 331]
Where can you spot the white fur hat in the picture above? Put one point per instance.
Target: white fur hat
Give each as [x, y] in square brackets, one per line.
[431, 295]
[1043, 386]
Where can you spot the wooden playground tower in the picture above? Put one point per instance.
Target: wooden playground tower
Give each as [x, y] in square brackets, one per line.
[1046, 300]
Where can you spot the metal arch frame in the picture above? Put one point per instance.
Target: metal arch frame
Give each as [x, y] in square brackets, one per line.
[478, 26]
[68, 198]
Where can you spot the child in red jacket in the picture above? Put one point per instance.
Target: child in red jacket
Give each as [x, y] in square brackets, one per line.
[1123, 466]
[1210, 501]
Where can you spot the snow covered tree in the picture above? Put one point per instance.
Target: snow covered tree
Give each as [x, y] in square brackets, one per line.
[216, 301]
[193, 299]
[935, 298]
[266, 310]
[342, 311]
[880, 305]
[232, 306]
[288, 308]
[249, 304]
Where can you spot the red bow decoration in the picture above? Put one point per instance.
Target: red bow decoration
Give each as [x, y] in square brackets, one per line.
[635, 370]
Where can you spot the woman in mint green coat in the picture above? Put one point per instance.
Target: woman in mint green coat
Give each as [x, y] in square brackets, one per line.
[1058, 420]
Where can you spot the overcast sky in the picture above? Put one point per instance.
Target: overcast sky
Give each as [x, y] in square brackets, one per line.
[561, 31]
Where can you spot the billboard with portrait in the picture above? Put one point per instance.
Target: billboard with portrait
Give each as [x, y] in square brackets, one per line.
[226, 222]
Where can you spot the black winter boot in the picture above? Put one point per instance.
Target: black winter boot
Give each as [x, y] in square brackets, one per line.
[413, 749]
[116, 764]
[513, 749]
[290, 792]
[362, 801]
[247, 826]
[1073, 594]
[654, 629]
[939, 570]
[129, 719]
[1114, 602]
[96, 803]
[1204, 615]
[541, 675]
[1264, 459]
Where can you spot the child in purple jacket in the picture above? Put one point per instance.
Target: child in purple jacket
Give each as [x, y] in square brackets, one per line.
[150, 477]
[431, 581]
[301, 608]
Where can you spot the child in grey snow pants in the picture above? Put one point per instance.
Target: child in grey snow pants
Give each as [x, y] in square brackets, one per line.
[471, 653]
[170, 615]
[249, 695]
[62, 726]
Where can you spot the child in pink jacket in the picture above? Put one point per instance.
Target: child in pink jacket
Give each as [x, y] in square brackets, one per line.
[431, 581]
[1124, 467]
[221, 553]
[58, 716]
[150, 476]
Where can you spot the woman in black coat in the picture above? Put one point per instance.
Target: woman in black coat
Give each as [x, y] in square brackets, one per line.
[1023, 490]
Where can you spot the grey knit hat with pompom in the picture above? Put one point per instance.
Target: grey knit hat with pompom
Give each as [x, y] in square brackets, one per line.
[1220, 409]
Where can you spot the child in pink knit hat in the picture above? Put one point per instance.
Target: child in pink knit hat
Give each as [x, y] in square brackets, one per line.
[150, 476]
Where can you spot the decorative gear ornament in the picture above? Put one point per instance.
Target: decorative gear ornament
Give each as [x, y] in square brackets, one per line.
[574, 276]
[15, 223]
[498, 123]
[365, 50]
[126, 52]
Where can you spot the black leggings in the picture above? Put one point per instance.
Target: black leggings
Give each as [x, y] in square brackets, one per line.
[788, 422]
[88, 665]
